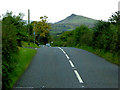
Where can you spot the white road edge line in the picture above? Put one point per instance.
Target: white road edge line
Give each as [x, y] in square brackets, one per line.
[78, 76]
[72, 65]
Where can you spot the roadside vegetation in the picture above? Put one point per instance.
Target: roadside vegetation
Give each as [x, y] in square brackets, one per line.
[15, 36]
[103, 39]
[25, 44]
[23, 57]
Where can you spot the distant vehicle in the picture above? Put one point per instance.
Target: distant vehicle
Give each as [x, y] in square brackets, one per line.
[48, 45]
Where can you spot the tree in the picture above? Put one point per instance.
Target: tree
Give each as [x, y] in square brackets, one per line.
[18, 23]
[67, 38]
[64, 37]
[115, 19]
[9, 46]
[101, 38]
[42, 30]
[83, 35]
[12, 31]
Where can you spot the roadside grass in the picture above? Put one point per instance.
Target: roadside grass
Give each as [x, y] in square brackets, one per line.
[113, 58]
[25, 44]
[24, 57]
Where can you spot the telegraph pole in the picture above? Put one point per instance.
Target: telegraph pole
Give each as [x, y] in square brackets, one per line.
[34, 33]
[28, 27]
[119, 25]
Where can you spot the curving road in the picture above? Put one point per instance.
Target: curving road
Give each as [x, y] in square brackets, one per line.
[66, 67]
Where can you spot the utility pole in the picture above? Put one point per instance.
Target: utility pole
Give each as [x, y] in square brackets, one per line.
[34, 33]
[119, 25]
[28, 27]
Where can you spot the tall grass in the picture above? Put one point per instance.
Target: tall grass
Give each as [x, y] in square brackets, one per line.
[111, 57]
[24, 57]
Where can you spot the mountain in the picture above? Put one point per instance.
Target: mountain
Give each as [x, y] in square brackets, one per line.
[77, 19]
[70, 23]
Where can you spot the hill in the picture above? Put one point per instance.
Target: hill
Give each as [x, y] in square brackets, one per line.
[70, 23]
[76, 19]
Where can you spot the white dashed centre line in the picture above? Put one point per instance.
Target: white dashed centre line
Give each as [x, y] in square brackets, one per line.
[64, 53]
[78, 76]
[72, 65]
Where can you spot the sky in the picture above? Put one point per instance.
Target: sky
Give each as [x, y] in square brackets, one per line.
[57, 10]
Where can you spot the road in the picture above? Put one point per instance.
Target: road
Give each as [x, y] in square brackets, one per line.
[67, 67]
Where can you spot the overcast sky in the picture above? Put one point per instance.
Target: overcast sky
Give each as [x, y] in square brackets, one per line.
[57, 10]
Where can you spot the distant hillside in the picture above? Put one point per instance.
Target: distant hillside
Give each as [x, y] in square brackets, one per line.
[70, 23]
[77, 19]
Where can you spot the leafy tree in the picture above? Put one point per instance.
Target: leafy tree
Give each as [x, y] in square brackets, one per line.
[9, 46]
[12, 32]
[101, 37]
[30, 29]
[66, 35]
[80, 36]
[115, 19]
[42, 30]
[18, 23]
[113, 39]
[83, 35]
[67, 38]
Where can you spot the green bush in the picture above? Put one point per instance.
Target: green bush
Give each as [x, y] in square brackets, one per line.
[83, 35]
[9, 46]
[11, 33]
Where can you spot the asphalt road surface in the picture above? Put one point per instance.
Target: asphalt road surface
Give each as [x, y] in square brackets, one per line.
[66, 67]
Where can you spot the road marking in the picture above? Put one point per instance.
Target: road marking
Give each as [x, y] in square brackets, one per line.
[74, 68]
[64, 53]
[72, 65]
[67, 56]
[78, 76]
[83, 86]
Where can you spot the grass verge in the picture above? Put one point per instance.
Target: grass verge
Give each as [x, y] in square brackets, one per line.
[24, 57]
[113, 58]
[25, 44]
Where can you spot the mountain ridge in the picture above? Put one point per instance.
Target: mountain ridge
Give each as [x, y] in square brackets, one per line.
[70, 23]
[76, 19]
